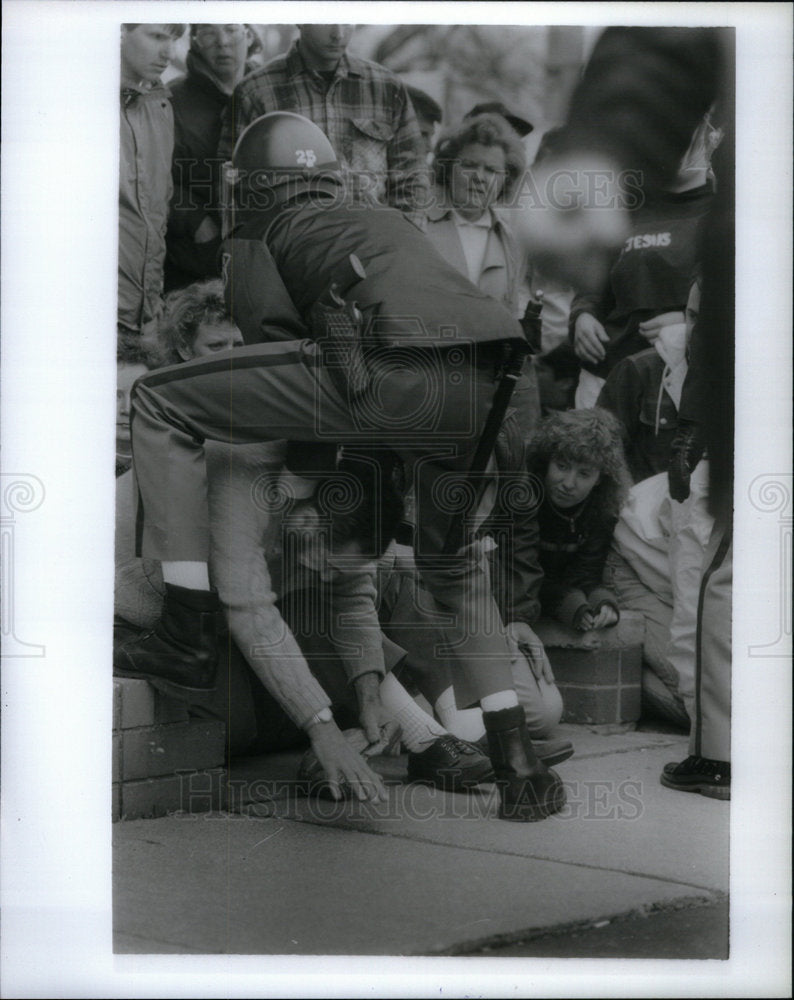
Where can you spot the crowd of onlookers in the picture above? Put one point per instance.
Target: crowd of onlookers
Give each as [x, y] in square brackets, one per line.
[591, 424]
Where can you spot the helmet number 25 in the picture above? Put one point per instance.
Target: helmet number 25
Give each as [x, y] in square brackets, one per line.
[305, 157]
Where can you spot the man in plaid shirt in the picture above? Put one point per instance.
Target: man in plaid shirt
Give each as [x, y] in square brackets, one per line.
[362, 107]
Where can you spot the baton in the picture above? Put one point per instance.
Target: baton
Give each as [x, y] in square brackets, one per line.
[511, 372]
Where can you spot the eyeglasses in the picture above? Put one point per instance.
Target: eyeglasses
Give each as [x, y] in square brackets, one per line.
[213, 34]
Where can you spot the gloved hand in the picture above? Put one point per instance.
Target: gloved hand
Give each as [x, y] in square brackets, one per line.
[686, 451]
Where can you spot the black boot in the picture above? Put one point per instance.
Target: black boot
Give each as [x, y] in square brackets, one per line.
[182, 647]
[528, 790]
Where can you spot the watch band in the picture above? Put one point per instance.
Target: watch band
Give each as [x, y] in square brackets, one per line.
[324, 715]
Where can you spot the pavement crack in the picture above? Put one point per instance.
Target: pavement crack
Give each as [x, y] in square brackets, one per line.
[349, 827]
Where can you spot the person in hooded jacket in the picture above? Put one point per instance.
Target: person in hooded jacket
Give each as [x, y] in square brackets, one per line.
[218, 58]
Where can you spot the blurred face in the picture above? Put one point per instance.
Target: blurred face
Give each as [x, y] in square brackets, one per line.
[478, 177]
[224, 48]
[211, 338]
[570, 233]
[569, 483]
[692, 310]
[146, 51]
[126, 374]
[323, 45]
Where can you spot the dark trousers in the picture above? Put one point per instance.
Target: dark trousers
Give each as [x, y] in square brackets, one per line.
[428, 405]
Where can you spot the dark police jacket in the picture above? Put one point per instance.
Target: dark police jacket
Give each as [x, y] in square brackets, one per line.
[279, 263]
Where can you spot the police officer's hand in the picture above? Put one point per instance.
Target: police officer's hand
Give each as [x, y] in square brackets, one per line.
[343, 766]
[589, 337]
[521, 637]
[686, 451]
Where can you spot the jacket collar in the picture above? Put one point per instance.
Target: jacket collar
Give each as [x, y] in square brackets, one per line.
[442, 209]
[131, 94]
[348, 65]
[200, 74]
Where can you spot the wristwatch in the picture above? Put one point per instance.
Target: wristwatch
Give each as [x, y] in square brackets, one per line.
[324, 715]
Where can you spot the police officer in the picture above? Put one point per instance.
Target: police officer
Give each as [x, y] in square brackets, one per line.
[420, 379]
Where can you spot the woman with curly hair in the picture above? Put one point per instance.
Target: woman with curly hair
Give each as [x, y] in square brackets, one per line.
[196, 323]
[477, 168]
[578, 457]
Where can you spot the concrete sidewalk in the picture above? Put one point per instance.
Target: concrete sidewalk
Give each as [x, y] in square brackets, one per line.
[427, 873]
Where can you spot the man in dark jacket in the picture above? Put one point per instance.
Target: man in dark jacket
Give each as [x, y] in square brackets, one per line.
[216, 62]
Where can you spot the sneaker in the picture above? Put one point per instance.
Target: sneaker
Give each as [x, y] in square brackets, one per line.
[699, 774]
[549, 752]
[450, 764]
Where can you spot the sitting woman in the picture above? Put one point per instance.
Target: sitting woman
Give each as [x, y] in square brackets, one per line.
[577, 457]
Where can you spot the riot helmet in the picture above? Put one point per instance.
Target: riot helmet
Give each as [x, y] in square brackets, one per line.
[279, 156]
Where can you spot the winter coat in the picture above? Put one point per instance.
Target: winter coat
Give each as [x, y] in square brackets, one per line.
[147, 142]
[634, 392]
[417, 297]
[573, 549]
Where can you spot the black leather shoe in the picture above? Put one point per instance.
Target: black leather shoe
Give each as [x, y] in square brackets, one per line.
[528, 790]
[450, 764]
[181, 650]
[548, 752]
[699, 774]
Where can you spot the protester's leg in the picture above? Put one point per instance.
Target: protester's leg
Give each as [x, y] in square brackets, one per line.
[711, 731]
[690, 528]
[707, 770]
[659, 678]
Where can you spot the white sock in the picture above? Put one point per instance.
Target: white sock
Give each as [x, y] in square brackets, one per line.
[465, 723]
[496, 702]
[191, 575]
[419, 729]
